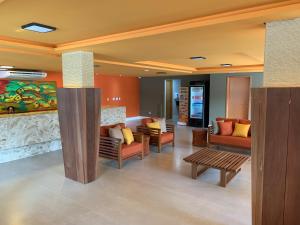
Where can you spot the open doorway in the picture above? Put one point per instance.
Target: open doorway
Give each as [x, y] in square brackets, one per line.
[172, 99]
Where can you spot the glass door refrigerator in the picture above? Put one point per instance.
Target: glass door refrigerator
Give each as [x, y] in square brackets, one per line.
[198, 108]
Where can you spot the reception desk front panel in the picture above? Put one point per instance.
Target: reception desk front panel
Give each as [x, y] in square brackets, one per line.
[27, 134]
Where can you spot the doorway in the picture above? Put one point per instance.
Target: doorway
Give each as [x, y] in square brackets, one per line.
[238, 97]
[169, 102]
[172, 99]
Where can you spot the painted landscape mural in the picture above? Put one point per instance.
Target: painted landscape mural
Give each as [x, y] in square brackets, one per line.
[27, 96]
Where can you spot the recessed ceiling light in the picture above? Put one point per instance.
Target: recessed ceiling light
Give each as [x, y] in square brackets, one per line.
[37, 27]
[197, 58]
[146, 70]
[6, 67]
[226, 65]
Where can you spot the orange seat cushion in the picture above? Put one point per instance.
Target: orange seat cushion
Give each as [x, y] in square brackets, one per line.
[132, 149]
[239, 142]
[167, 137]
[225, 128]
[104, 130]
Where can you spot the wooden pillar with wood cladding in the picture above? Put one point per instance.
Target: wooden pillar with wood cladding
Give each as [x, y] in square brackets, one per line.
[276, 130]
[79, 116]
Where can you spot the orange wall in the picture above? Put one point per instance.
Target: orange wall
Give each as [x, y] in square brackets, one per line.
[127, 88]
[55, 76]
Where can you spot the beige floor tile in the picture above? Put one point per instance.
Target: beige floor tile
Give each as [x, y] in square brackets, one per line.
[156, 191]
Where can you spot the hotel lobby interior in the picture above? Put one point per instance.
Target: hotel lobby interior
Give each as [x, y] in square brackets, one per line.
[149, 112]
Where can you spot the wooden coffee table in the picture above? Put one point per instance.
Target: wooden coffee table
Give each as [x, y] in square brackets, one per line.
[228, 163]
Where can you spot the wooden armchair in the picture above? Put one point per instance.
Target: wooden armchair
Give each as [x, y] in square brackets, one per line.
[112, 148]
[157, 138]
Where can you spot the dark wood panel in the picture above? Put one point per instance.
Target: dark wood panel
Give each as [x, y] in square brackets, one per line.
[292, 201]
[258, 118]
[270, 119]
[79, 116]
[275, 156]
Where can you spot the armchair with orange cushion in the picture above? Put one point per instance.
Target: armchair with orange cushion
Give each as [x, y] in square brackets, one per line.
[157, 137]
[113, 148]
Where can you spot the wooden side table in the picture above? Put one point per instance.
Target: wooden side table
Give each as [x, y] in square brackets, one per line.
[200, 137]
[146, 145]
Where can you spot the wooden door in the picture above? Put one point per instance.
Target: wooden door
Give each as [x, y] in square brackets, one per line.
[169, 99]
[238, 97]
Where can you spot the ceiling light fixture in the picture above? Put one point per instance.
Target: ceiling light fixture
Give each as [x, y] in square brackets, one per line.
[197, 58]
[37, 27]
[146, 70]
[6, 67]
[226, 65]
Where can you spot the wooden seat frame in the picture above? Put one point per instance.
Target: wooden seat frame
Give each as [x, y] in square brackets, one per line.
[111, 148]
[156, 135]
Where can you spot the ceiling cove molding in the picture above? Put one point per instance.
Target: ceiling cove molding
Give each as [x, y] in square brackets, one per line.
[28, 52]
[167, 65]
[26, 44]
[232, 69]
[220, 18]
[140, 66]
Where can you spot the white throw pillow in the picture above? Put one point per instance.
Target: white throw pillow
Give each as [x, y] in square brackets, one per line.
[116, 132]
[162, 123]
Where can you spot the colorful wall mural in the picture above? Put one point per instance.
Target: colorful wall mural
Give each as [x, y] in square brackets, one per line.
[27, 96]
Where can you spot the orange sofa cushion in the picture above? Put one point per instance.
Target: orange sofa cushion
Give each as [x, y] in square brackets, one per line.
[104, 130]
[225, 128]
[146, 120]
[132, 149]
[166, 137]
[231, 141]
[228, 120]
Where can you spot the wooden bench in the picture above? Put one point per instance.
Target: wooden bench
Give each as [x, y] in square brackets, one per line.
[228, 163]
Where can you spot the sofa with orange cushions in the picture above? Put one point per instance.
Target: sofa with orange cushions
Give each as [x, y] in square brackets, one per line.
[112, 148]
[231, 141]
[157, 138]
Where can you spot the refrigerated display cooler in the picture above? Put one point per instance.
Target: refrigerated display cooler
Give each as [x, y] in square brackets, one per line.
[198, 104]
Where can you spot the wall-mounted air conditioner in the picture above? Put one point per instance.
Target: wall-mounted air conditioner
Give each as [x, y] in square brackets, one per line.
[22, 75]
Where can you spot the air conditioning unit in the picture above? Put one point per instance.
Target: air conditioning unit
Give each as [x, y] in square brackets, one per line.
[22, 75]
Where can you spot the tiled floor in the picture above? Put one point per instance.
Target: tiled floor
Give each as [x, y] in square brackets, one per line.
[155, 191]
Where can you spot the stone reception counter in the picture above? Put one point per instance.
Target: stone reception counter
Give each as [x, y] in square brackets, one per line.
[28, 134]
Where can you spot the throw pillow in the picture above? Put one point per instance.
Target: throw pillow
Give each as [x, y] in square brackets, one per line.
[225, 128]
[116, 132]
[244, 121]
[153, 125]
[215, 126]
[241, 130]
[162, 124]
[128, 135]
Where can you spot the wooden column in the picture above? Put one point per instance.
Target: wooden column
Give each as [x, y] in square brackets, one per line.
[79, 116]
[276, 156]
